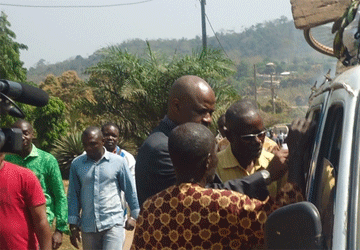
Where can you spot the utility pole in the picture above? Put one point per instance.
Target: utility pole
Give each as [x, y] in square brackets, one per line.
[271, 68]
[272, 92]
[255, 91]
[203, 21]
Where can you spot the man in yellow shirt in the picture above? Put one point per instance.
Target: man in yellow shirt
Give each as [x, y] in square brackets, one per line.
[245, 155]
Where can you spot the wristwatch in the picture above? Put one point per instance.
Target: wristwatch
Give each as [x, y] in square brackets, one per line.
[266, 175]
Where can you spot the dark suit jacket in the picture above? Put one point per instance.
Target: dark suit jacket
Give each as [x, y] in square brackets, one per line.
[154, 171]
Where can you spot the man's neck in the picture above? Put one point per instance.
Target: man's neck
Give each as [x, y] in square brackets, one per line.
[26, 151]
[98, 158]
[245, 162]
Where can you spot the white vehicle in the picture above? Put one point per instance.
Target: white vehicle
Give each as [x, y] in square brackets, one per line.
[330, 217]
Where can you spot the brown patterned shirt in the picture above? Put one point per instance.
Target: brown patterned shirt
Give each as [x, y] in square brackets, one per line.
[189, 216]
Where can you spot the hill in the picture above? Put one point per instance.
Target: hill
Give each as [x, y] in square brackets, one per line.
[277, 40]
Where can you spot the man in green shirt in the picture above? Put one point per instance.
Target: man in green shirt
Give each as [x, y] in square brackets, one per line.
[47, 170]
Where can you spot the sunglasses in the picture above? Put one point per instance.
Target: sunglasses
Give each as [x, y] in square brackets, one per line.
[250, 137]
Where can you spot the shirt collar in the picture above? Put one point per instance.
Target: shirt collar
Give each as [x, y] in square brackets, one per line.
[261, 162]
[116, 150]
[169, 122]
[33, 153]
[105, 156]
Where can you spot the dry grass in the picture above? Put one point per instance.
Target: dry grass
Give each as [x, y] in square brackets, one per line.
[66, 245]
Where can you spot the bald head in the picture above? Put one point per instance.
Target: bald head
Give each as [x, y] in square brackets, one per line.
[190, 146]
[245, 131]
[239, 112]
[92, 131]
[191, 99]
[93, 142]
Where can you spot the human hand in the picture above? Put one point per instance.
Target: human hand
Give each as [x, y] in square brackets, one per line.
[300, 132]
[279, 164]
[130, 224]
[57, 239]
[75, 236]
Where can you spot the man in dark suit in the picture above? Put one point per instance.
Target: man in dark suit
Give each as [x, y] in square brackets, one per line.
[191, 99]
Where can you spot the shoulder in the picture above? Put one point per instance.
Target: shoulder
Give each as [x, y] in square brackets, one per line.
[266, 156]
[155, 142]
[128, 156]
[114, 158]
[21, 173]
[126, 153]
[45, 155]
[79, 160]
[227, 199]
[269, 144]
[226, 158]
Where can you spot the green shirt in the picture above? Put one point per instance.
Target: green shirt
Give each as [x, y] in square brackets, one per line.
[47, 170]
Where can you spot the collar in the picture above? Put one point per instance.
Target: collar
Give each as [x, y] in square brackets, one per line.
[261, 163]
[105, 156]
[33, 153]
[169, 122]
[116, 150]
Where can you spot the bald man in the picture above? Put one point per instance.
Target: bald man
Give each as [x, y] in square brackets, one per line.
[189, 215]
[245, 155]
[191, 99]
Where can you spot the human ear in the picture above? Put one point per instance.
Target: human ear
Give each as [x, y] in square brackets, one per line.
[175, 105]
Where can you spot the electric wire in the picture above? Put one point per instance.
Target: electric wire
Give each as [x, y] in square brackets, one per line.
[216, 35]
[208, 20]
[74, 6]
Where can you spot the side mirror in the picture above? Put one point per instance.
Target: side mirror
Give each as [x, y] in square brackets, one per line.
[295, 226]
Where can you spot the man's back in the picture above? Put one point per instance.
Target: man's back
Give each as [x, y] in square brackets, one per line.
[154, 170]
[191, 216]
[19, 190]
[46, 168]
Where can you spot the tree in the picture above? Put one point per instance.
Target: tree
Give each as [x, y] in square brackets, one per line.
[133, 91]
[50, 123]
[70, 89]
[65, 149]
[11, 68]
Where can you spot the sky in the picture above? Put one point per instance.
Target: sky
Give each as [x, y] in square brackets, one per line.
[59, 33]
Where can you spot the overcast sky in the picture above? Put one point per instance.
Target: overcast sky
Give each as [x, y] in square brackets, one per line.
[56, 34]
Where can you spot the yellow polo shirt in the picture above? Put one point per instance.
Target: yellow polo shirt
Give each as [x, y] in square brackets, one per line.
[269, 145]
[229, 167]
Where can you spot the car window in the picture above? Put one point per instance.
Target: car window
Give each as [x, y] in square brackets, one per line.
[314, 116]
[326, 170]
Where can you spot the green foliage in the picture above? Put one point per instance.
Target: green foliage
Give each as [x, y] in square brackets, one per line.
[65, 150]
[50, 123]
[133, 91]
[11, 68]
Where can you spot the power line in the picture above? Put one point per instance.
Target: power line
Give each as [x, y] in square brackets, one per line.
[216, 35]
[207, 18]
[74, 6]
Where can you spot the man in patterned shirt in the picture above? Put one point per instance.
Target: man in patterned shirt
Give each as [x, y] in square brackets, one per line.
[46, 169]
[188, 215]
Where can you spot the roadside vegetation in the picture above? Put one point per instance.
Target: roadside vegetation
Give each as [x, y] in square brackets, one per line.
[129, 83]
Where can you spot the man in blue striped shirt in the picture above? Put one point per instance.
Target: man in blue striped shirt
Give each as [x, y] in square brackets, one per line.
[96, 179]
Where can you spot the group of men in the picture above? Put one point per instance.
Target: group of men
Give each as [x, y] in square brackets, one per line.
[100, 180]
[190, 195]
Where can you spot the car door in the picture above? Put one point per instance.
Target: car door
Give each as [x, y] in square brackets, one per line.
[329, 172]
